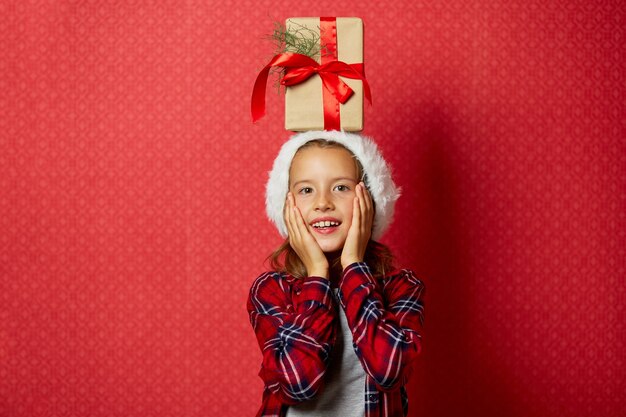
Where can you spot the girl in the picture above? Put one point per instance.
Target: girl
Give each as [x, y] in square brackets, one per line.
[338, 326]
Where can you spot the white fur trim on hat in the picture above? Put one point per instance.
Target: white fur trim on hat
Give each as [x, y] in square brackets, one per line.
[377, 176]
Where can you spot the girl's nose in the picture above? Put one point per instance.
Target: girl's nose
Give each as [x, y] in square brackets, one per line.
[323, 202]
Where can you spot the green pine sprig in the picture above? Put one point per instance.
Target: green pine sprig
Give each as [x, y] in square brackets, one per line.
[295, 39]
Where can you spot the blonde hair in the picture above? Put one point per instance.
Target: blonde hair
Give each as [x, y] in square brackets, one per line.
[377, 255]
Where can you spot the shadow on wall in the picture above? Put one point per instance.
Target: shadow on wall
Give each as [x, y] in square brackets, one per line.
[449, 378]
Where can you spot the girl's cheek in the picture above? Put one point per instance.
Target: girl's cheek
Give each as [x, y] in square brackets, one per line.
[298, 199]
[348, 218]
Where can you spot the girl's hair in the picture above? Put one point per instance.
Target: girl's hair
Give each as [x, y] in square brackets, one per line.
[377, 255]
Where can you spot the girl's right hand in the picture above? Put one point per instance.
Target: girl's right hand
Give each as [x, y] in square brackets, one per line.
[303, 242]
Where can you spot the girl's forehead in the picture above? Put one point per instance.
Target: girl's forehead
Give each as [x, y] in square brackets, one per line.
[319, 161]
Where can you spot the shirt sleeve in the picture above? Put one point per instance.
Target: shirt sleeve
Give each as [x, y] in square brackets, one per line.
[295, 340]
[386, 319]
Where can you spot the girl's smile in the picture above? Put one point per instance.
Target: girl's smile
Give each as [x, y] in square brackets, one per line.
[325, 225]
[323, 182]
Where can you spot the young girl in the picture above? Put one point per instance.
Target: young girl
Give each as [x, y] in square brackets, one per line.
[338, 326]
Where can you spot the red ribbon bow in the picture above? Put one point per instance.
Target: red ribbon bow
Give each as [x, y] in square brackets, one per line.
[299, 69]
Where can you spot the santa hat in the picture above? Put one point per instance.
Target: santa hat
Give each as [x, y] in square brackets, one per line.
[377, 176]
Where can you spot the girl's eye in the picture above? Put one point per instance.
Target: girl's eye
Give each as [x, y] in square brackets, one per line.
[305, 190]
[342, 188]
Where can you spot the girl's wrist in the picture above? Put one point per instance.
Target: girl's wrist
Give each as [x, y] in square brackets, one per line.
[319, 272]
[349, 262]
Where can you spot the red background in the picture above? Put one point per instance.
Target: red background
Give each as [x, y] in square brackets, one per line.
[132, 201]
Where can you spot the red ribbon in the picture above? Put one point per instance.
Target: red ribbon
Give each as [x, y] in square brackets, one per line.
[328, 38]
[300, 68]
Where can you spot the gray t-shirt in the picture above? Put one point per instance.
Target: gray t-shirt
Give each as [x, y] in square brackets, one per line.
[344, 382]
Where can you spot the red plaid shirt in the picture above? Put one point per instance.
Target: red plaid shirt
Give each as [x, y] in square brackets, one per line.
[293, 318]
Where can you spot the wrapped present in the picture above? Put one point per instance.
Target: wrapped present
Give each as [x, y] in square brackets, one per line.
[305, 104]
[324, 91]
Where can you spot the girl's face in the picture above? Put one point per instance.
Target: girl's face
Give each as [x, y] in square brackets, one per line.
[323, 182]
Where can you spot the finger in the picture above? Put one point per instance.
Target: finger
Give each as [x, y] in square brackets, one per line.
[286, 216]
[356, 213]
[365, 217]
[294, 219]
[369, 209]
[362, 199]
[299, 221]
[289, 218]
[368, 198]
[286, 208]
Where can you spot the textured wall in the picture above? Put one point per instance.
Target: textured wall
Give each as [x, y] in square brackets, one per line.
[131, 201]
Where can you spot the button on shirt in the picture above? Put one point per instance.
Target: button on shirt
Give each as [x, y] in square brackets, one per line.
[293, 321]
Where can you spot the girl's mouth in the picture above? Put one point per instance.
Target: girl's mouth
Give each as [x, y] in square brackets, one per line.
[325, 227]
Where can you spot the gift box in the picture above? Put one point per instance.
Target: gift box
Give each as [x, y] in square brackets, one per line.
[309, 105]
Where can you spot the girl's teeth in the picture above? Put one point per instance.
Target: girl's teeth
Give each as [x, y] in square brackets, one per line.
[326, 223]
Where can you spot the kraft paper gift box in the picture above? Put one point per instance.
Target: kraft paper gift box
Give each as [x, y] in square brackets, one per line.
[304, 106]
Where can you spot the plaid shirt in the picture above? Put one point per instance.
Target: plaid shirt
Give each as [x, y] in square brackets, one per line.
[293, 322]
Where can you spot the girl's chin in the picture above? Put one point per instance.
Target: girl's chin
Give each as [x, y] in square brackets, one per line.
[331, 249]
[330, 244]
[332, 253]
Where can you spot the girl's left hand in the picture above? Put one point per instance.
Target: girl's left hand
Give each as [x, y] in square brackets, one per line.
[361, 228]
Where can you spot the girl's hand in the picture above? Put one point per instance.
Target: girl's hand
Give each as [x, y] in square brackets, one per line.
[303, 242]
[361, 228]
